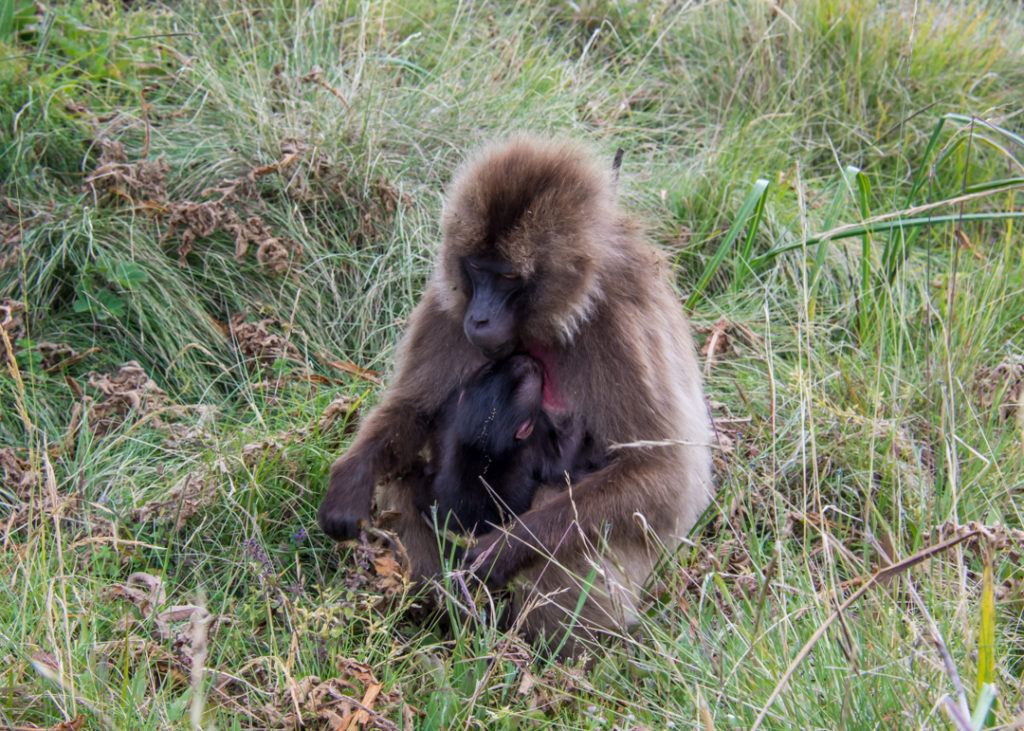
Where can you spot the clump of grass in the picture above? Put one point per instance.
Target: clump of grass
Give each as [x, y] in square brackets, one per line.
[839, 181]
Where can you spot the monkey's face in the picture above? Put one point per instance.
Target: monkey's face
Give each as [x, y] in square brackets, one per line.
[497, 293]
[524, 233]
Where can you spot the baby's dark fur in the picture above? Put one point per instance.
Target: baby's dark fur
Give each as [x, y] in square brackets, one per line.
[493, 445]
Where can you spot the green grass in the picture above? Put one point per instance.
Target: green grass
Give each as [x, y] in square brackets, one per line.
[841, 180]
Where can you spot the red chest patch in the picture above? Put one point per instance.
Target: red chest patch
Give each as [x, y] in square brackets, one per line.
[552, 394]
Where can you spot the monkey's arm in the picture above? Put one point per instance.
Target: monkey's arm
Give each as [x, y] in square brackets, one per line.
[392, 435]
[608, 499]
[657, 397]
[388, 441]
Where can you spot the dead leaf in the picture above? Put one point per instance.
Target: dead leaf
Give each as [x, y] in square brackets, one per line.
[22, 217]
[127, 391]
[386, 565]
[38, 499]
[526, 683]
[147, 594]
[316, 76]
[409, 716]
[200, 220]
[339, 408]
[191, 494]
[718, 342]
[353, 369]
[53, 354]
[184, 629]
[13, 325]
[114, 175]
[191, 432]
[255, 453]
[362, 716]
[334, 701]
[75, 724]
[10, 243]
[389, 574]
[257, 344]
[278, 255]
[292, 150]
[1002, 385]
[144, 590]
[18, 475]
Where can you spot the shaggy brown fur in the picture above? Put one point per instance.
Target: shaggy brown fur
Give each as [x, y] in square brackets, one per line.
[600, 313]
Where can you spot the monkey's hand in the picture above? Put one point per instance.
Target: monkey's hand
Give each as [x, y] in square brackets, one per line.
[346, 506]
[387, 444]
[341, 525]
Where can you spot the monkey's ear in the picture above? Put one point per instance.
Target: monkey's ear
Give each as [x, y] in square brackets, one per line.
[617, 163]
[525, 429]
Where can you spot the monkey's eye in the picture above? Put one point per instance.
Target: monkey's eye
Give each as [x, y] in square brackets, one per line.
[510, 276]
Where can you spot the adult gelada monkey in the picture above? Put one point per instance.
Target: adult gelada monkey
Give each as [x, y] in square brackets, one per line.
[536, 256]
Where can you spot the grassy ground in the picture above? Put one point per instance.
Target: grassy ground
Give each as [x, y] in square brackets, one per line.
[245, 202]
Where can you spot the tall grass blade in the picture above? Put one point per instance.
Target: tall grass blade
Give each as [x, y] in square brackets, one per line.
[924, 168]
[981, 718]
[901, 241]
[829, 222]
[994, 185]
[986, 643]
[853, 182]
[753, 205]
[885, 226]
[965, 119]
[743, 269]
[863, 190]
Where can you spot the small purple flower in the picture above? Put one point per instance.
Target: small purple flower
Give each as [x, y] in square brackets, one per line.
[255, 552]
[300, 536]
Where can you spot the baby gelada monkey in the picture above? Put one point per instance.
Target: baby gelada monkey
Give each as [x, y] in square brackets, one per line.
[494, 445]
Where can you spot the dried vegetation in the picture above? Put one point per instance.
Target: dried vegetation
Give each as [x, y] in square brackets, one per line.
[201, 255]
